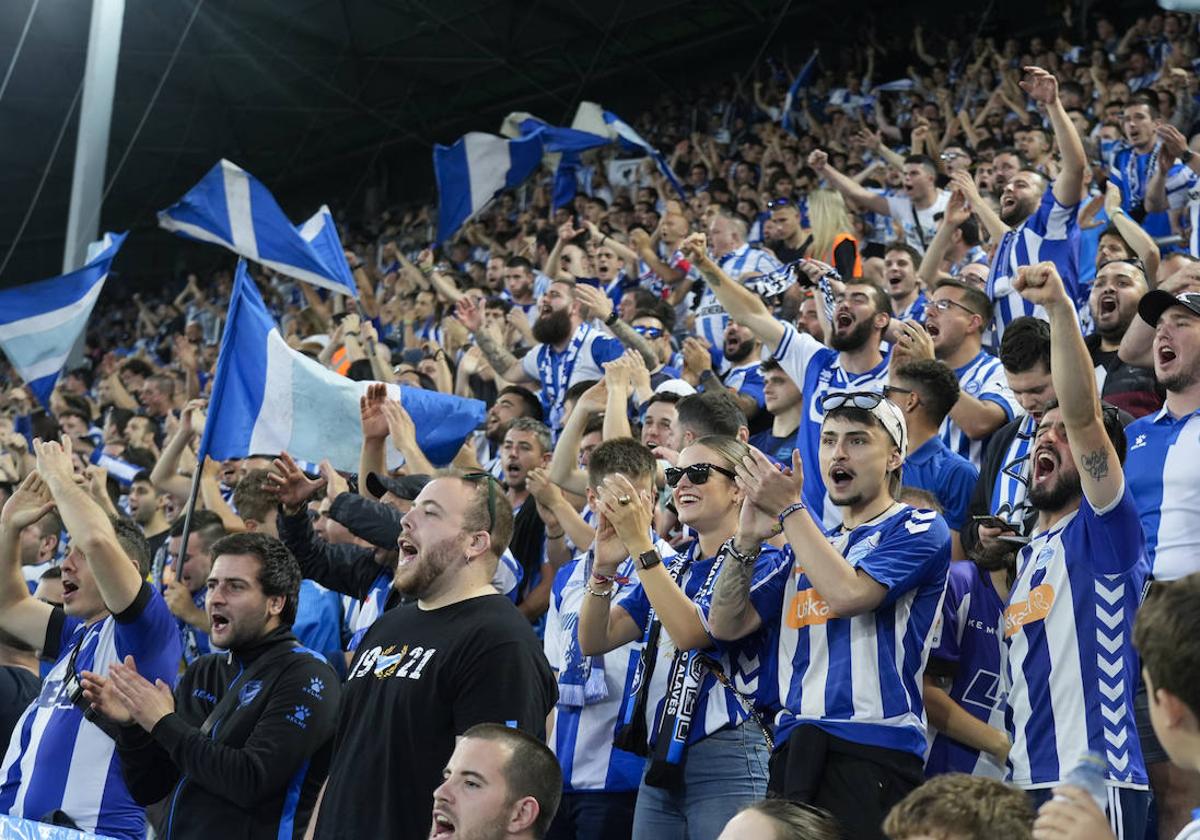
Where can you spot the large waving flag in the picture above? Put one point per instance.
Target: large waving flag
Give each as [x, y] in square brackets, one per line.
[268, 398]
[592, 118]
[803, 80]
[230, 207]
[562, 146]
[320, 233]
[475, 169]
[40, 322]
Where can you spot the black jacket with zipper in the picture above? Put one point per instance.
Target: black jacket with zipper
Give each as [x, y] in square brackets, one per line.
[258, 771]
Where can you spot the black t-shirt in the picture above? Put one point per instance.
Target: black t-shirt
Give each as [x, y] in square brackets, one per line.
[18, 687]
[421, 678]
[1129, 388]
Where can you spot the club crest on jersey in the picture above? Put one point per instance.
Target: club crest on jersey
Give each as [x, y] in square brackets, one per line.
[249, 691]
[863, 548]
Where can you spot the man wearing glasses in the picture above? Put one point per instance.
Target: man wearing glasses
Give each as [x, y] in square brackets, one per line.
[855, 617]
[427, 671]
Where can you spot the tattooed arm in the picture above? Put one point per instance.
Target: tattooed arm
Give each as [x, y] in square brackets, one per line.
[600, 306]
[1075, 386]
[503, 362]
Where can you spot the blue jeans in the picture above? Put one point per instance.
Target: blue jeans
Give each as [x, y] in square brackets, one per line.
[722, 773]
[593, 816]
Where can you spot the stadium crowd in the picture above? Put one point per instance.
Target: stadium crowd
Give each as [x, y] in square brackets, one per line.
[850, 492]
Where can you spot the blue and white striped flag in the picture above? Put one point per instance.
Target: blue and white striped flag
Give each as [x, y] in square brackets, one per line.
[320, 233]
[230, 207]
[803, 80]
[40, 322]
[591, 117]
[269, 398]
[475, 169]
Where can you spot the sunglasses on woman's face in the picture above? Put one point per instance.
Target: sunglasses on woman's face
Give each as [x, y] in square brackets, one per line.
[696, 473]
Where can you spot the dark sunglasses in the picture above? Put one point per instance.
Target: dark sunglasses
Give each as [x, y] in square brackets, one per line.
[779, 202]
[491, 485]
[866, 400]
[696, 473]
[649, 332]
[888, 390]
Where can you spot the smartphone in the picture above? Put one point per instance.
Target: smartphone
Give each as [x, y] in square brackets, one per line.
[1014, 540]
[994, 522]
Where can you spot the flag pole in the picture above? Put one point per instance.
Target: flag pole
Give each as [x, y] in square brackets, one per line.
[187, 519]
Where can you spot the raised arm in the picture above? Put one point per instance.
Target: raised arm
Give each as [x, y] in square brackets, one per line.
[962, 183]
[22, 615]
[1042, 86]
[600, 306]
[818, 161]
[1135, 235]
[564, 463]
[958, 210]
[743, 305]
[506, 365]
[117, 576]
[1075, 385]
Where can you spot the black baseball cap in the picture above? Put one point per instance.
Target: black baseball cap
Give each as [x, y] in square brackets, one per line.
[1154, 304]
[404, 486]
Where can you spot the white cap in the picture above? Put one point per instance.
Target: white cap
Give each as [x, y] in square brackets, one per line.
[675, 386]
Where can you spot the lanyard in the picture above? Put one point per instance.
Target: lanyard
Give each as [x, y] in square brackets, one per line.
[556, 378]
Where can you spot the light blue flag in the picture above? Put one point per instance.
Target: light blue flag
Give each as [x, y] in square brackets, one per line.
[40, 322]
[230, 207]
[898, 85]
[803, 81]
[475, 169]
[268, 398]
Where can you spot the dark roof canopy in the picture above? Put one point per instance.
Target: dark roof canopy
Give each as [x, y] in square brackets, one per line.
[318, 97]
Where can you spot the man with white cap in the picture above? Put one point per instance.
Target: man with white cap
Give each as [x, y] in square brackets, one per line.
[858, 595]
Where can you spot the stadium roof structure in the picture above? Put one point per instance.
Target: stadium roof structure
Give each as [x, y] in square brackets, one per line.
[319, 98]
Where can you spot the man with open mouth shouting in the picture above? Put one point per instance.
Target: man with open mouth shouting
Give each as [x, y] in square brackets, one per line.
[1067, 673]
[428, 670]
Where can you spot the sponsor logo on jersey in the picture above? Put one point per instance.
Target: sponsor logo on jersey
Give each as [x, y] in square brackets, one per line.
[1020, 613]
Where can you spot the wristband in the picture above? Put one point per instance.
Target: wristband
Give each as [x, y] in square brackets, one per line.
[743, 559]
[557, 536]
[1187, 155]
[789, 510]
[607, 593]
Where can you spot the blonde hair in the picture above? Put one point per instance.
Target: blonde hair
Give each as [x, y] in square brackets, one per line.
[828, 217]
[729, 448]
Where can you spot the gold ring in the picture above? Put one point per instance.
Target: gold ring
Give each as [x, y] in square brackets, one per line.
[624, 500]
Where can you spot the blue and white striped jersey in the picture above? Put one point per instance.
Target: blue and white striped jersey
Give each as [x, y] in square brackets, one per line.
[746, 379]
[1161, 471]
[746, 662]
[966, 639]
[583, 359]
[1010, 487]
[1069, 669]
[915, 311]
[984, 379]
[1131, 171]
[56, 760]
[430, 330]
[1051, 233]
[362, 614]
[740, 263]
[817, 370]
[583, 734]
[508, 576]
[859, 678]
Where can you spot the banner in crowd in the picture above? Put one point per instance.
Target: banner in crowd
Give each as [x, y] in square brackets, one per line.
[231, 208]
[40, 322]
[269, 398]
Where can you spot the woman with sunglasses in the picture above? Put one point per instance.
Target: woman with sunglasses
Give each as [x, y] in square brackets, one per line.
[692, 705]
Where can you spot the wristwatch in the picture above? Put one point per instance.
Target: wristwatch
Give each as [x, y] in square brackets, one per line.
[649, 559]
[612, 318]
[1187, 155]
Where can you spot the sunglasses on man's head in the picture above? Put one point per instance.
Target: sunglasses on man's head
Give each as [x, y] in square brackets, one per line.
[649, 332]
[866, 400]
[779, 202]
[696, 473]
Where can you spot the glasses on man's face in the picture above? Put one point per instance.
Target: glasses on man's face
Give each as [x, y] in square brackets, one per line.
[890, 390]
[944, 304]
[648, 332]
[491, 486]
[696, 473]
[866, 400]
